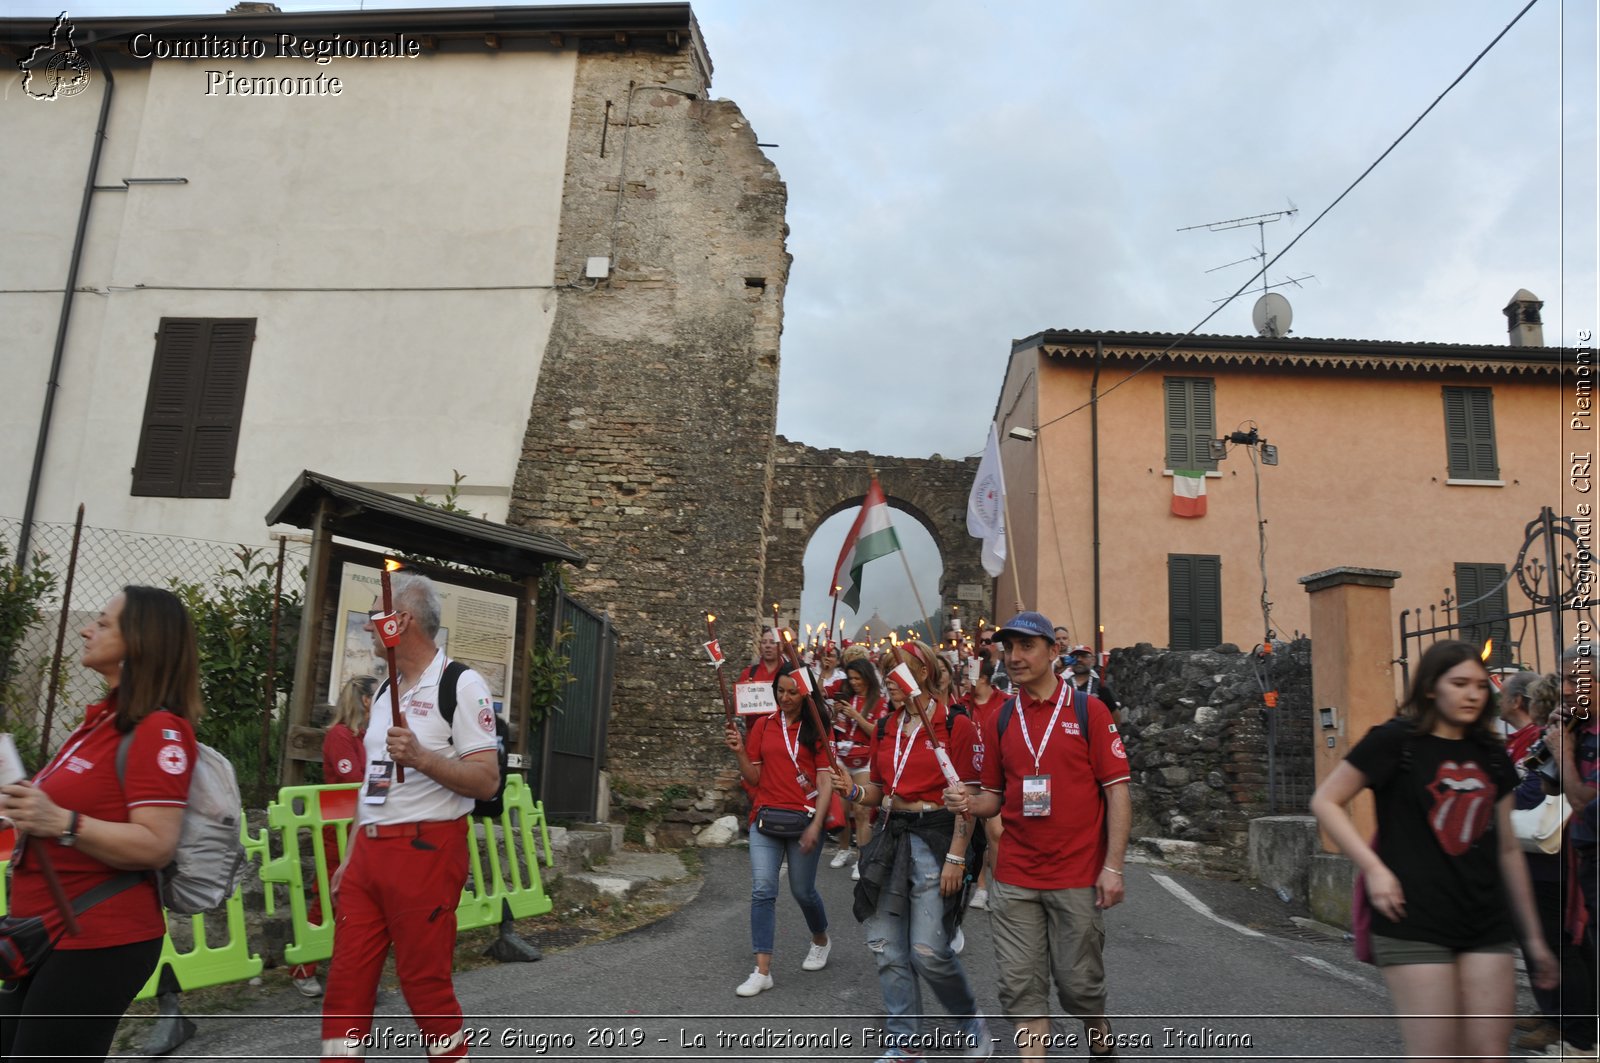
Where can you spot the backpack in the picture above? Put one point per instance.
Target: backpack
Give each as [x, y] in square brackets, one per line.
[453, 671]
[209, 861]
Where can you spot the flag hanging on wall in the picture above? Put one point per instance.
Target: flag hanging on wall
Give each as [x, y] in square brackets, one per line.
[871, 537]
[1188, 493]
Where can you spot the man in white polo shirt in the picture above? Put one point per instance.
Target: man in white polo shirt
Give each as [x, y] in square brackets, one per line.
[407, 859]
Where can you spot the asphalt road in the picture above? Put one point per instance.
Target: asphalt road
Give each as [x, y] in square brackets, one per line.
[1197, 970]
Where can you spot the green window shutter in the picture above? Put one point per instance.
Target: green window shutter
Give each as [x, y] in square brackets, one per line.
[1208, 601]
[1194, 601]
[1180, 609]
[1486, 619]
[1191, 422]
[1469, 434]
[193, 408]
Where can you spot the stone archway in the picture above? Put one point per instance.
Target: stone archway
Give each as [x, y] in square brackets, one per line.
[811, 485]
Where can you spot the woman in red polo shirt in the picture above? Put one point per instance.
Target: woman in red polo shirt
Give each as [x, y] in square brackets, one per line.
[855, 717]
[912, 874]
[785, 767]
[96, 829]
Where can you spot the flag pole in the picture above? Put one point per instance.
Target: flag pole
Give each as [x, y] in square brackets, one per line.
[888, 513]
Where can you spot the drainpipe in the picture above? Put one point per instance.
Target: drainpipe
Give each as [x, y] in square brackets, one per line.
[1094, 473]
[25, 539]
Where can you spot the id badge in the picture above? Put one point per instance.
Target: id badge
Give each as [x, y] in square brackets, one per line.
[379, 778]
[806, 787]
[1036, 795]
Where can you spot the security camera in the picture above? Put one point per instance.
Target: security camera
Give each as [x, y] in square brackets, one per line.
[1026, 435]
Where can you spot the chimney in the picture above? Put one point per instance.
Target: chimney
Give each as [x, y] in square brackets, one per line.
[1522, 319]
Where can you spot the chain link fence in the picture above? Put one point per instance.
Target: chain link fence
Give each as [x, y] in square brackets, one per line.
[231, 590]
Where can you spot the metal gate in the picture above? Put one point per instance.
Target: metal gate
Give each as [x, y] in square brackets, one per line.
[575, 733]
[1551, 574]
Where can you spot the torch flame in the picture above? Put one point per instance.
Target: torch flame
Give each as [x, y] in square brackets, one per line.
[391, 565]
[711, 618]
[788, 636]
[1488, 648]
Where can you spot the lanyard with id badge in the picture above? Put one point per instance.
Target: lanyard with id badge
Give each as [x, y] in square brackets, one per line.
[1036, 787]
[380, 777]
[806, 786]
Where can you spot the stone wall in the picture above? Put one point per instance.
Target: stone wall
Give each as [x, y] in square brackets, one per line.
[1196, 734]
[650, 438]
[811, 485]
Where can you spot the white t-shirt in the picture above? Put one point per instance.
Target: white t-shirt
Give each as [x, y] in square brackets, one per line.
[420, 798]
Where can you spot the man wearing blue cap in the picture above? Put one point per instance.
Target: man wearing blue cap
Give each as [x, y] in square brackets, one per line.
[1054, 769]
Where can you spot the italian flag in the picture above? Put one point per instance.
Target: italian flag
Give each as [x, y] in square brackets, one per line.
[1188, 493]
[871, 537]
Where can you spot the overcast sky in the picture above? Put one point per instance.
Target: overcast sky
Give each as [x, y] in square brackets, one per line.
[961, 174]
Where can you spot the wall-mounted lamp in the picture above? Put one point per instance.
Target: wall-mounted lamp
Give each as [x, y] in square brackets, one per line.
[131, 181]
[1026, 435]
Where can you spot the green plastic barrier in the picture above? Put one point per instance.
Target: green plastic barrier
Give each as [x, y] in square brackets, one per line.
[302, 815]
[505, 871]
[205, 964]
[8, 842]
[512, 872]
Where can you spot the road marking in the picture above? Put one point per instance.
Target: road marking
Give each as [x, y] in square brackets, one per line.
[1200, 906]
[1339, 972]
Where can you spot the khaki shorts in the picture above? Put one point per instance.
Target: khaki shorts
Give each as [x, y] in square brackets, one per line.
[1039, 933]
[1397, 952]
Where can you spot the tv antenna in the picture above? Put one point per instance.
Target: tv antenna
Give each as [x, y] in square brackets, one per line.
[1272, 313]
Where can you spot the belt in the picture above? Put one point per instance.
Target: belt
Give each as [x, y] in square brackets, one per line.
[934, 811]
[392, 830]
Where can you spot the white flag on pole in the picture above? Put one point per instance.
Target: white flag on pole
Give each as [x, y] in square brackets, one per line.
[986, 509]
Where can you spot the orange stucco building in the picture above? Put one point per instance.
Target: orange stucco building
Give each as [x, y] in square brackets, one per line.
[1425, 458]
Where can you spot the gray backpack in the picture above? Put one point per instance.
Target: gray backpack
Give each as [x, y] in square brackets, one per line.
[210, 858]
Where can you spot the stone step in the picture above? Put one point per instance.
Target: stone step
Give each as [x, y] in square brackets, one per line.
[622, 875]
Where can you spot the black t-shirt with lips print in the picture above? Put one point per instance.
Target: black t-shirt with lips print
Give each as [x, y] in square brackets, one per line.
[1436, 832]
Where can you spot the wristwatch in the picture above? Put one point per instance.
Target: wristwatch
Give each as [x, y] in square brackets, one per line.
[69, 837]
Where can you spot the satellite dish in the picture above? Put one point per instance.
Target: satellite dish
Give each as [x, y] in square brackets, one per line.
[1272, 315]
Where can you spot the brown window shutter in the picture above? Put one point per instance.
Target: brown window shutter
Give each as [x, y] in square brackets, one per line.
[219, 407]
[190, 431]
[164, 438]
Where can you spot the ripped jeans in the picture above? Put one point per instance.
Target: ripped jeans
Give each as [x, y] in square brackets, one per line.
[913, 946]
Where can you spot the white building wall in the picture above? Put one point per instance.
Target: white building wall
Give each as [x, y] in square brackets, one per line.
[443, 171]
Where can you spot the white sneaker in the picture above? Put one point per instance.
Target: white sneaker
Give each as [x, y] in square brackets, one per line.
[855, 872]
[841, 858]
[1565, 1050]
[756, 983]
[958, 942]
[308, 986]
[980, 900]
[817, 958]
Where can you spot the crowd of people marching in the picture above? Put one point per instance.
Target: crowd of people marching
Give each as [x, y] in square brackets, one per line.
[994, 783]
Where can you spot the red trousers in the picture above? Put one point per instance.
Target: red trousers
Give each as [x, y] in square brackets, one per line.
[401, 888]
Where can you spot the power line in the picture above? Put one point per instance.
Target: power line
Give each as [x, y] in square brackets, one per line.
[1154, 359]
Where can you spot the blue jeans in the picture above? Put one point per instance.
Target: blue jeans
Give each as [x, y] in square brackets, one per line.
[766, 856]
[913, 945]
